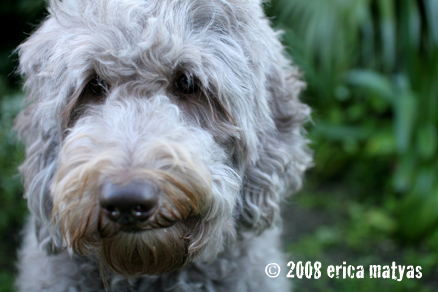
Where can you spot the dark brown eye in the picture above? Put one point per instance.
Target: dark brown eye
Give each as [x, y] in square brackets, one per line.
[97, 86]
[186, 84]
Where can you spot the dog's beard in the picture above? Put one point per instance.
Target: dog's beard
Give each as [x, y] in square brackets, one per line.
[155, 251]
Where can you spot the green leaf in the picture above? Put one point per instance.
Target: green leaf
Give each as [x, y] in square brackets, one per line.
[379, 219]
[387, 27]
[382, 143]
[342, 133]
[373, 82]
[427, 141]
[404, 173]
[432, 17]
[424, 181]
[413, 23]
[417, 215]
[405, 117]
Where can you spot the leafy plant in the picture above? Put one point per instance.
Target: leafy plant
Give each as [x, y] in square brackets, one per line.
[372, 71]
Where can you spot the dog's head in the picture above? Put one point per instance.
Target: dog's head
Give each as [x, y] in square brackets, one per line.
[157, 129]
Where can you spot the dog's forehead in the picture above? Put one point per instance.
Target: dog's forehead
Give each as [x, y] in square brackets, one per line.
[136, 18]
[170, 33]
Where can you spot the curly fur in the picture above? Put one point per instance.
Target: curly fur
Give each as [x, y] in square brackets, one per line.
[223, 159]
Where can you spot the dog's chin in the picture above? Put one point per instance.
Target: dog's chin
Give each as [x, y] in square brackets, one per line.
[133, 251]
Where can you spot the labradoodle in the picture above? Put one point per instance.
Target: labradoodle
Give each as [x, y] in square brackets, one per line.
[161, 136]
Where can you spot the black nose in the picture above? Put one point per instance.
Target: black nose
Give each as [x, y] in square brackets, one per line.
[129, 203]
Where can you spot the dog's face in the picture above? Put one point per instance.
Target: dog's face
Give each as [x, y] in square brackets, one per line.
[157, 129]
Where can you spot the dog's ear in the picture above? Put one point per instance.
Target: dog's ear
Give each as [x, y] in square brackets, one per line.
[283, 153]
[37, 172]
[36, 127]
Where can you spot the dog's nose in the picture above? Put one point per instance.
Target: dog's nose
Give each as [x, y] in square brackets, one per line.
[129, 203]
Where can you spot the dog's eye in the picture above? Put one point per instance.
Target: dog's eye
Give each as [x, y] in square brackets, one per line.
[186, 85]
[97, 86]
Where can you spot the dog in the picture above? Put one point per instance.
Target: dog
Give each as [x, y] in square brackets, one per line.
[161, 137]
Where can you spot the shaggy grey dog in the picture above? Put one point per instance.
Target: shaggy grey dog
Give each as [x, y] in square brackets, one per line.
[161, 136]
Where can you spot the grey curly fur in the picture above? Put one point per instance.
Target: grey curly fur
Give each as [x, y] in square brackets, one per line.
[238, 146]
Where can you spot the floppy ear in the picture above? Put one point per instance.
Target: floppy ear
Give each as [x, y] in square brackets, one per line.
[37, 172]
[284, 154]
[36, 127]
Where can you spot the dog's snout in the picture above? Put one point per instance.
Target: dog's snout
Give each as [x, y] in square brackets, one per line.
[129, 203]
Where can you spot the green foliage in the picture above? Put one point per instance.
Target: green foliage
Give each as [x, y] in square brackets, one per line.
[13, 207]
[10, 157]
[372, 71]
[357, 234]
